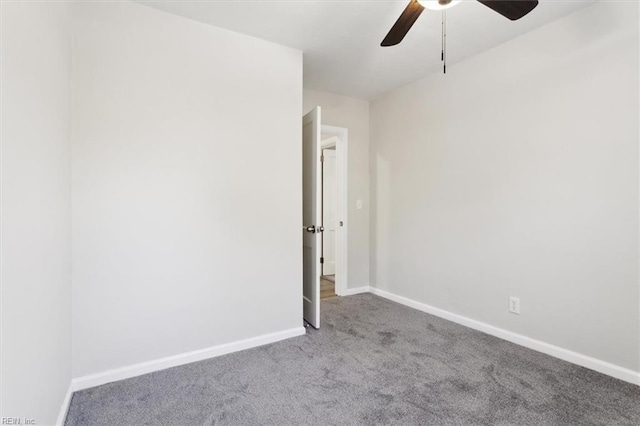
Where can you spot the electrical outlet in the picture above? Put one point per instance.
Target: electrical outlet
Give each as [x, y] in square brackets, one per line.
[514, 305]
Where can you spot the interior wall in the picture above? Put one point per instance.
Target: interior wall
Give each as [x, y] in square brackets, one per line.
[516, 174]
[342, 111]
[186, 186]
[35, 210]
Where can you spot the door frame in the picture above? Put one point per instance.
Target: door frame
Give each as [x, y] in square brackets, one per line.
[341, 143]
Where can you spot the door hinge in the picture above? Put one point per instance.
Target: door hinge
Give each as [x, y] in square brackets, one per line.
[322, 260]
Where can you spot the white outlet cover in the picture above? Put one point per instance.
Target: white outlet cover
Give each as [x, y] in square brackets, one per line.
[359, 204]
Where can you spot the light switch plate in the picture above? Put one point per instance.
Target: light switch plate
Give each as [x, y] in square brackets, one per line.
[514, 305]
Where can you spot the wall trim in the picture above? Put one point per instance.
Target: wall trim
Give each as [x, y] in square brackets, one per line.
[556, 351]
[357, 290]
[64, 409]
[134, 370]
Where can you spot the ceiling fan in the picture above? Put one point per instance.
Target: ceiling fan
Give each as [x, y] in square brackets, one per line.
[512, 9]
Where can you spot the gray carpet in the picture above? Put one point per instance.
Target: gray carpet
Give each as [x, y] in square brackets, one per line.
[372, 362]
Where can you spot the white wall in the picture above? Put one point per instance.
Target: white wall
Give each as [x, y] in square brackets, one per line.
[517, 174]
[186, 186]
[36, 228]
[353, 114]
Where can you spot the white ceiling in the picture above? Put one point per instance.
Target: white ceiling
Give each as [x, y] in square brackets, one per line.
[341, 38]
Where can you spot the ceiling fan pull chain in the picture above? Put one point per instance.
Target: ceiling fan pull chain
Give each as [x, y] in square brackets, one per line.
[442, 37]
[444, 41]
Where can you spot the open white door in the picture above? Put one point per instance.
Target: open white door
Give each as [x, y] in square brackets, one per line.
[311, 216]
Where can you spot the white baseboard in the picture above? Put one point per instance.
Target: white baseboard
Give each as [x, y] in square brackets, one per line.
[127, 372]
[64, 409]
[537, 345]
[357, 290]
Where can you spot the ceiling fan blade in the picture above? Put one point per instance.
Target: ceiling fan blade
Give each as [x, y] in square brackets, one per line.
[403, 24]
[514, 9]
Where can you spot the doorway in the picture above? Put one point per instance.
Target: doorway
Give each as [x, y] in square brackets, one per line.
[334, 211]
[317, 141]
[329, 218]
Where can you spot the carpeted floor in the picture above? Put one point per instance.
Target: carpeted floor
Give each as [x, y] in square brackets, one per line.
[372, 362]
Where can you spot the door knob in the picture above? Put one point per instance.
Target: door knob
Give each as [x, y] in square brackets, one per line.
[311, 229]
[320, 228]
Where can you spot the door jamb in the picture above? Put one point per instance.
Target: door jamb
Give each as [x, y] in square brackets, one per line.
[341, 145]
